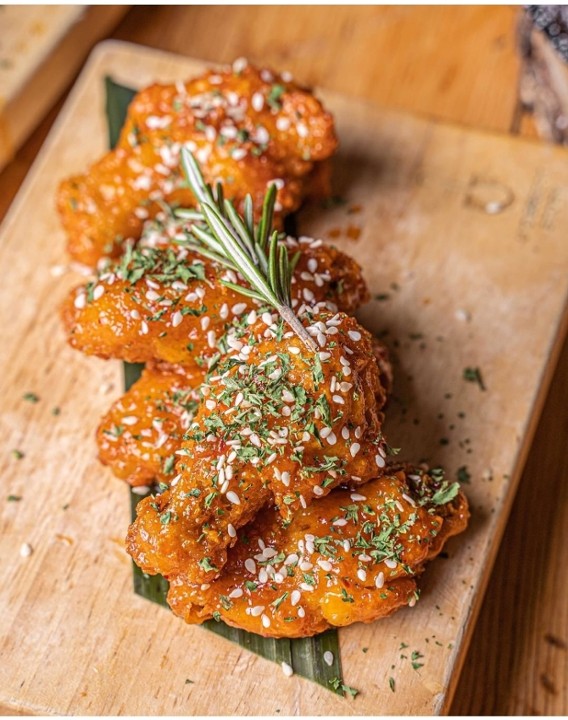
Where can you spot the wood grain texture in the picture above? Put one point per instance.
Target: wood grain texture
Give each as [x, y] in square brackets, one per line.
[424, 188]
[502, 676]
[41, 49]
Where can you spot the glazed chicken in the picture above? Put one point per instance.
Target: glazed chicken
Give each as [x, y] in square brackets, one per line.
[141, 433]
[279, 424]
[350, 557]
[247, 127]
[170, 303]
[139, 436]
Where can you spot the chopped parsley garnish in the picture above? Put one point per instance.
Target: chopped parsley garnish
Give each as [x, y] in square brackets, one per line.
[31, 397]
[206, 564]
[473, 375]
[463, 475]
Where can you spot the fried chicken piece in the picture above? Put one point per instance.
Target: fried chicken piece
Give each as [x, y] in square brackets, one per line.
[351, 557]
[278, 424]
[169, 303]
[141, 432]
[247, 128]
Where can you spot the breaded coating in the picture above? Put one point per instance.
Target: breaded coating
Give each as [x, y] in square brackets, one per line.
[170, 303]
[247, 127]
[350, 557]
[278, 424]
[141, 432]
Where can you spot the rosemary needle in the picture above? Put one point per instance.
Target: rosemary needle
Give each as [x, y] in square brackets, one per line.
[254, 251]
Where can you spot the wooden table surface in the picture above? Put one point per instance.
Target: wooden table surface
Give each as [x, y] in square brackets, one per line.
[458, 64]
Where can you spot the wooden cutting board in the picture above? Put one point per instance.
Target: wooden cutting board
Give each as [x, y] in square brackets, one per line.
[462, 239]
[41, 49]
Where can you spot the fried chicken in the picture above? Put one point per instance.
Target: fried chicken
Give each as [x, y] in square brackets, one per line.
[247, 127]
[350, 557]
[139, 435]
[169, 303]
[141, 432]
[278, 424]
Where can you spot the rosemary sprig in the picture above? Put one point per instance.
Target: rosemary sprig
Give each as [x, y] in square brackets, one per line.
[235, 241]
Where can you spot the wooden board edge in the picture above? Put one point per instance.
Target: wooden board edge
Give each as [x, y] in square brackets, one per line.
[22, 112]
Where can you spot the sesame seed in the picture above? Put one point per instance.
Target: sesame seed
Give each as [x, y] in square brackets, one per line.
[409, 499]
[306, 588]
[141, 489]
[287, 669]
[26, 550]
[80, 301]
[144, 328]
[340, 522]
[391, 563]
[338, 399]
[250, 565]
[301, 612]
[231, 530]
[354, 449]
[317, 490]
[357, 498]
[325, 565]
[265, 621]
[98, 292]
[240, 64]
[211, 338]
[232, 497]
[262, 574]
[412, 601]
[205, 321]
[282, 124]
[361, 574]
[328, 658]
[380, 580]
[177, 318]
[306, 566]
[285, 478]
[130, 420]
[239, 154]
[236, 593]
[257, 610]
[379, 459]
[257, 101]
[291, 559]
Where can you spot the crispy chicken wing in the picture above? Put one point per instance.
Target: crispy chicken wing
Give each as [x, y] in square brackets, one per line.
[169, 303]
[277, 424]
[143, 430]
[247, 128]
[350, 557]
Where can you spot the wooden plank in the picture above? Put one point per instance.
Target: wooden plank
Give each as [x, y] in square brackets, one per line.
[463, 272]
[41, 49]
[435, 60]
